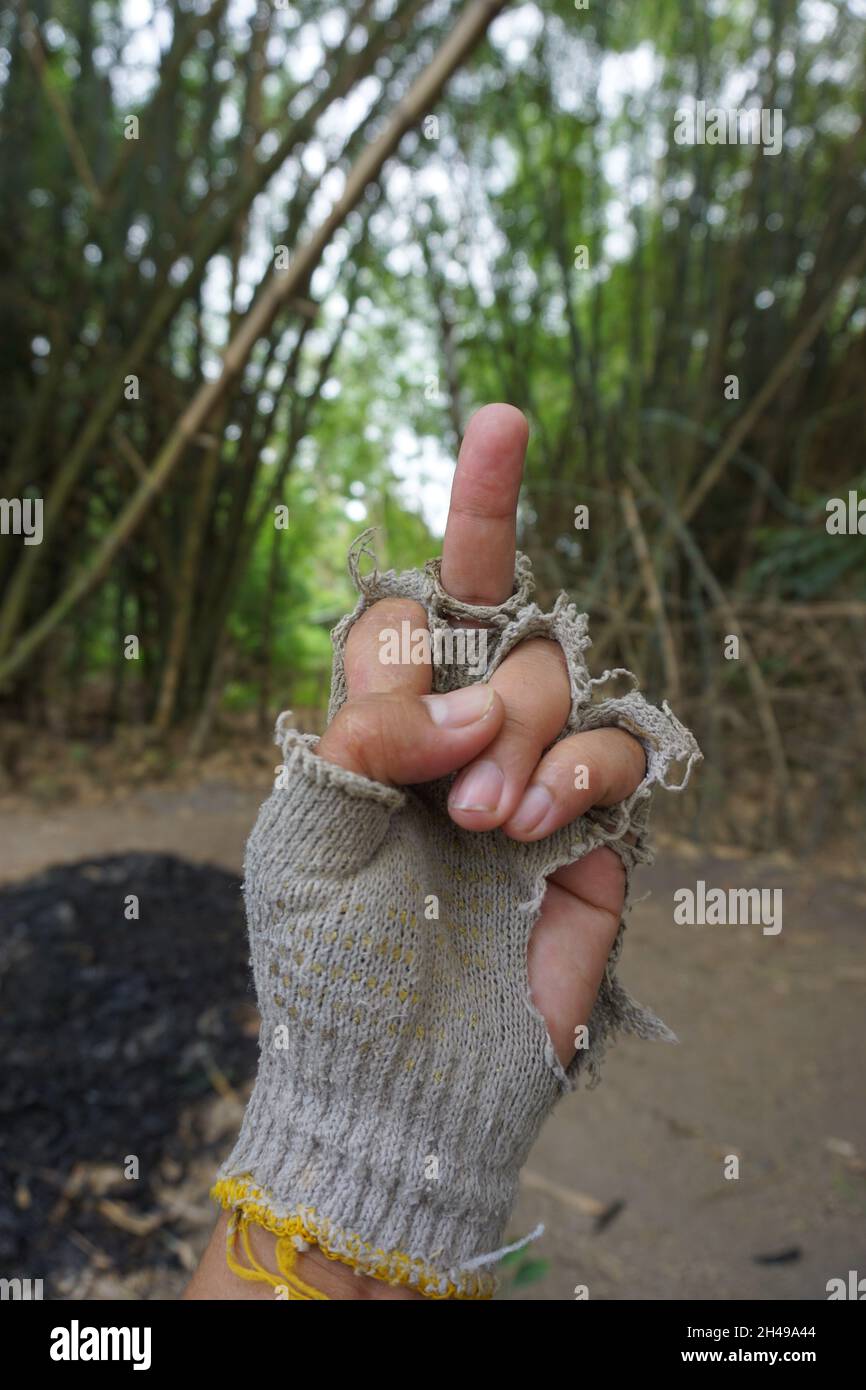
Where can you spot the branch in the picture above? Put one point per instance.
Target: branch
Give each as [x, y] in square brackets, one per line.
[766, 717]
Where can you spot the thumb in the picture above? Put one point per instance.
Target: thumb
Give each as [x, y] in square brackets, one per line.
[398, 737]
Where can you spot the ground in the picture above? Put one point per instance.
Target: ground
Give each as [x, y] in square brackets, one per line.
[628, 1179]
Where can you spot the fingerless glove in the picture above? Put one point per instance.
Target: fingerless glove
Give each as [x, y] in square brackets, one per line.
[404, 1070]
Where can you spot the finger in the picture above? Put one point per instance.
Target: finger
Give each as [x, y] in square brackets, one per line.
[478, 549]
[533, 683]
[597, 880]
[399, 737]
[571, 942]
[389, 649]
[598, 768]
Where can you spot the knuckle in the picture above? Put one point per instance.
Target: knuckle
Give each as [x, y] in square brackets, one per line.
[371, 729]
[520, 726]
[387, 622]
[576, 771]
[629, 752]
[390, 612]
[358, 727]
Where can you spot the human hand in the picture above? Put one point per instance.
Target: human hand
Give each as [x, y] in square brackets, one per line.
[388, 1028]
[513, 774]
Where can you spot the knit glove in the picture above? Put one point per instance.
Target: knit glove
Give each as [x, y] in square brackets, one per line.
[404, 1070]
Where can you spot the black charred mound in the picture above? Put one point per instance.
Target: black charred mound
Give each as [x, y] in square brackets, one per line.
[112, 1031]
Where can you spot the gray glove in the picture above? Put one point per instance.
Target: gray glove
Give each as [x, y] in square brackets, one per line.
[404, 1070]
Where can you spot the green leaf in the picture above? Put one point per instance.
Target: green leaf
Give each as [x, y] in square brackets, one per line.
[530, 1272]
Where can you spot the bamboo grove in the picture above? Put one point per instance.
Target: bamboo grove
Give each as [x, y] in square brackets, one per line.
[243, 265]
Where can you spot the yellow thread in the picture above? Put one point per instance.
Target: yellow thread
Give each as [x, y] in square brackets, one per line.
[394, 1267]
[286, 1256]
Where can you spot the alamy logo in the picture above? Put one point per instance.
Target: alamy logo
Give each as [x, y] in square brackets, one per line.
[22, 517]
[720, 125]
[23, 1289]
[463, 646]
[77, 1343]
[846, 518]
[712, 907]
[855, 1288]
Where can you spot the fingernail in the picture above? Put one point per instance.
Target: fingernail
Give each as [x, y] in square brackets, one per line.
[532, 811]
[479, 790]
[460, 707]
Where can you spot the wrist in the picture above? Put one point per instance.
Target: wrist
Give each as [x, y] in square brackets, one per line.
[329, 1276]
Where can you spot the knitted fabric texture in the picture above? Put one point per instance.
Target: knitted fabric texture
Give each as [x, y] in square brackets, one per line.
[404, 1069]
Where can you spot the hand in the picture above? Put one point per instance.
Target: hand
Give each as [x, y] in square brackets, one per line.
[511, 776]
[330, 1165]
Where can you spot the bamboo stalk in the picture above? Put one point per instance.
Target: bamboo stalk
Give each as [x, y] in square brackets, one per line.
[780, 787]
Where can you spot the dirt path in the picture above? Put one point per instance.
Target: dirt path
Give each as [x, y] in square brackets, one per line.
[629, 1179]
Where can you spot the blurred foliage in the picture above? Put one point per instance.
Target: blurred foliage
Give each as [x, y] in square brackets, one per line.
[455, 281]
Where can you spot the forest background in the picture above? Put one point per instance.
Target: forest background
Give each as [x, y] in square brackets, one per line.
[261, 262]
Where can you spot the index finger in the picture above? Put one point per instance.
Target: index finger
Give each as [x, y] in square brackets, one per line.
[478, 549]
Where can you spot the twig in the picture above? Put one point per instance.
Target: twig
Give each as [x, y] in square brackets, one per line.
[781, 785]
[654, 595]
[777, 378]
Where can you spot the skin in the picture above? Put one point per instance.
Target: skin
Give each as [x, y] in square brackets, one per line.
[393, 730]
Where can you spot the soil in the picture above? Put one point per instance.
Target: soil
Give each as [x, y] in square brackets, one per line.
[128, 1037]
